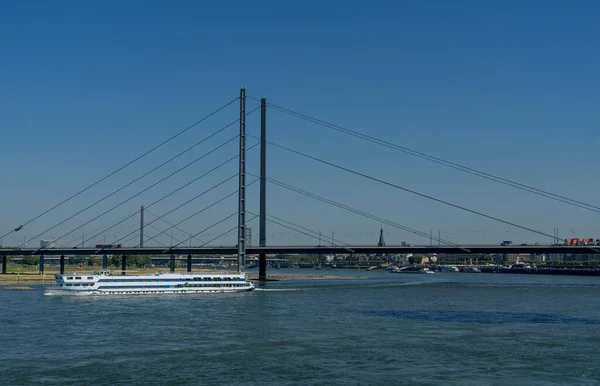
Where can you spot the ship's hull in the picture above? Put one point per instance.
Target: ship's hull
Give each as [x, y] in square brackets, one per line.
[54, 291]
[63, 292]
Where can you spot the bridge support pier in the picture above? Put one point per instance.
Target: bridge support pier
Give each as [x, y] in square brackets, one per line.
[189, 263]
[123, 265]
[41, 264]
[104, 262]
[262, 266]
[62, 264]
[142, 227]
[172, 264]
[4, 264]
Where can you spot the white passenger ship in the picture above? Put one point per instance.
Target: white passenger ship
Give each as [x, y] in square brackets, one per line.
[105, 283]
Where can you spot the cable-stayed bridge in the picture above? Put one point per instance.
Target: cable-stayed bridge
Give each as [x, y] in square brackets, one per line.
[136, 238]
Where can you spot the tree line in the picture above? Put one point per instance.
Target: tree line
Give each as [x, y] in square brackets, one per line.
[138, 261]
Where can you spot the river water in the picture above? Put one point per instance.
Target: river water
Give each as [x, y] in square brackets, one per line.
[381, 329]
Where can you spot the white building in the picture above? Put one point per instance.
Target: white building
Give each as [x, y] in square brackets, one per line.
[47, 244]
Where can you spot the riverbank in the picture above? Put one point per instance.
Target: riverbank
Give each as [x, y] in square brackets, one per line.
[13, 279]
[544, 271]
[307, 277]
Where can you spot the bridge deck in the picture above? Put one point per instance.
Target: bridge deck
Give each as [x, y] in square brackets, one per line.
[232, 250]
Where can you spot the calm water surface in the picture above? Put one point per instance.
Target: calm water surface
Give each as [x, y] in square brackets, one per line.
[446, 328]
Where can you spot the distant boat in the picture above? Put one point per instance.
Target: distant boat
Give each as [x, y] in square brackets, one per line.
[471, 269]
[450, 268]
[412, 270]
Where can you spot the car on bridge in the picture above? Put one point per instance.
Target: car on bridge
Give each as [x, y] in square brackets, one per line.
[107, 246]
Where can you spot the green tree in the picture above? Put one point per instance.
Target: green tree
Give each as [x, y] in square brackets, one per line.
[485, 258]
[76, 259]
[415, 259]
[138, 261]
[115, 260]
[92, 260]
[31, 260]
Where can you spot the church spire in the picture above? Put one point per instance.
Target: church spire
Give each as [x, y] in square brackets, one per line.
[381, 242]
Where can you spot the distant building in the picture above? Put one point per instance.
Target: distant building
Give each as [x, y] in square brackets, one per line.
[381, 242]
[47, 244]
[580, 242]
[248, 237]
[403, 258]
[555, 257]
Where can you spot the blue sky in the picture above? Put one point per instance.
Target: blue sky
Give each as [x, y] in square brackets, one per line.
[510, 88]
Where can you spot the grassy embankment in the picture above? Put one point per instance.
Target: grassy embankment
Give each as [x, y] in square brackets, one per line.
[30, 274]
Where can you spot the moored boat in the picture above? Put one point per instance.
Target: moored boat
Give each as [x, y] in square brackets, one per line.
[105, 283]
[449, 268]
[412, 270]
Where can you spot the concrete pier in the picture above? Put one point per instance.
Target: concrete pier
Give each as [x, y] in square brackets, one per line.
[104, 262]
[123, 264]
[41, 264]
[4, 264]
[62, 264]
[172, 264]
[189, 263]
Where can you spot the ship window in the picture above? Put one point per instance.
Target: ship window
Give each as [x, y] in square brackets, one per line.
[78, 278]
[90, 278]
[69, 278]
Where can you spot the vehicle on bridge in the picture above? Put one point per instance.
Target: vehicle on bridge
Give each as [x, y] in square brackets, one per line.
[108, 246]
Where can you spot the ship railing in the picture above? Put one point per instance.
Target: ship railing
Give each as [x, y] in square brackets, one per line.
[117, 272]
[203, 273]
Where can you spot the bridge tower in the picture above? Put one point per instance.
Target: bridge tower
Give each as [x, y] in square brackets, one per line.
[242, 185]
[262, 258]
